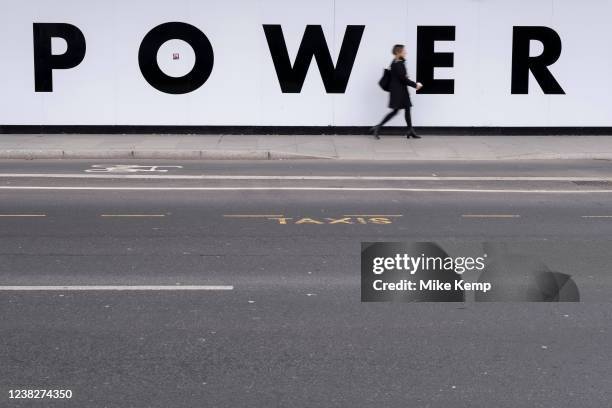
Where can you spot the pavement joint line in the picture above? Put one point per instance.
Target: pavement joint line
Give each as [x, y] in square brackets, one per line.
[304, 178]
[117, 288]
[597, 216]
[340, 189]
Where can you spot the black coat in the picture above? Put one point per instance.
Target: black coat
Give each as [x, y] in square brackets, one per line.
[399, 98]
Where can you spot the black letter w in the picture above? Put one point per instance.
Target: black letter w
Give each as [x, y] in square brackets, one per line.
[313, 44]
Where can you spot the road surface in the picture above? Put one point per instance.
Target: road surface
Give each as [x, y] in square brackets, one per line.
[274, 250]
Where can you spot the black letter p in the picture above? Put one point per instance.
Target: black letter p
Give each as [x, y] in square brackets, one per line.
[45, 62]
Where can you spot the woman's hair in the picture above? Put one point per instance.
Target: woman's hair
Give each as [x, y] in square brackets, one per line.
[397, 48]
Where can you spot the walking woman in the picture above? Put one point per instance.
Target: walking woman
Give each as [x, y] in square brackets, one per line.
[399, 97]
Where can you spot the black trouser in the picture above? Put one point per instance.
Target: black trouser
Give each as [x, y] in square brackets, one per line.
[391, 114]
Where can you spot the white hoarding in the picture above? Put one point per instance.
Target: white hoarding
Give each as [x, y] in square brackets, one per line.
[233, 62]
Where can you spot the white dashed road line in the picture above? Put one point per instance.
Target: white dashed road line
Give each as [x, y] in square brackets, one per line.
[22, 215]
[117, 288]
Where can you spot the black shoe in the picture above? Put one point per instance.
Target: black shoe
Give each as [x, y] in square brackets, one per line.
[412, 134]
[375, 131]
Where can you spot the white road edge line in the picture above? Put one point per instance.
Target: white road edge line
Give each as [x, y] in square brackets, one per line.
[365, 189]
[119, 288]
[311, 178]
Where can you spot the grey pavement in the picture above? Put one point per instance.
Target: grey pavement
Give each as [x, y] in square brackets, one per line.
[346, 147]
[293, 332]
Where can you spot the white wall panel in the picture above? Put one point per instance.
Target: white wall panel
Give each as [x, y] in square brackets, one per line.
[108, 88]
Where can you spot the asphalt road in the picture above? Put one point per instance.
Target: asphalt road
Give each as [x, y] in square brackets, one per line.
[292, 331]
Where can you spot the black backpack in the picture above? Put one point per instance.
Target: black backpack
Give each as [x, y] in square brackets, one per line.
[385, 81]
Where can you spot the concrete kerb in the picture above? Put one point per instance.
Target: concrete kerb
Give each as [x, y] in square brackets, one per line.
[28, 154]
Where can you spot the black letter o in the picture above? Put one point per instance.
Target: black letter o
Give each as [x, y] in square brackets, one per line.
[204, 58]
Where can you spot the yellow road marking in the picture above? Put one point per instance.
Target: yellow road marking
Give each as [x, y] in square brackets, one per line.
[320, 220]
[253, 215]
[373, 215]
[132, 215]
[490, 216]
